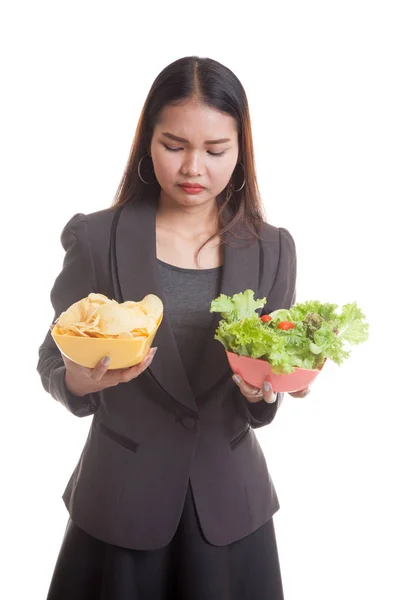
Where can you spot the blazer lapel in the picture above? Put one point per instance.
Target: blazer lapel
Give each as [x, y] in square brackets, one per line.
[136, 257]
[242, 268]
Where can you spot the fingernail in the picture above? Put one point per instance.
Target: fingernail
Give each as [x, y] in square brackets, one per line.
[237, 379]
[149, 359]
[155, 350]
[106, 361]
[267, 386]
[152, 355]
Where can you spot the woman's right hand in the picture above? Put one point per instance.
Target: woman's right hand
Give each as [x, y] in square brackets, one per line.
[81, 380]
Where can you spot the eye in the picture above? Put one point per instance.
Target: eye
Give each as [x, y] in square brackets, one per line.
[217, 153]
[172, 149]
[178, 149]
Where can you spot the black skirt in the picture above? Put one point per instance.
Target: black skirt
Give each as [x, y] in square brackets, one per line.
[189, 568]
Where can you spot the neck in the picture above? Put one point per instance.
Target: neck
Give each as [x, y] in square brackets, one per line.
[190, 220]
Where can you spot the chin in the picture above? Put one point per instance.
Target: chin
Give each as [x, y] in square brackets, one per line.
[183, 199]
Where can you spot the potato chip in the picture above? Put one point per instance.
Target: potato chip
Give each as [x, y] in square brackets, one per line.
[99, 299]
[92, 313]
[97, 316]
[131, 304]
[71, 316]
[117, 319]
[78, 331]
[153, 305]
[98, 334]
[125, 335]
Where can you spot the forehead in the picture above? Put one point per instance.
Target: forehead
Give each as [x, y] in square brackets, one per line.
[196, 120]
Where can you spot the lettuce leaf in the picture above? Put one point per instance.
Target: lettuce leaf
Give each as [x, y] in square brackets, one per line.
[240, 306]
[319, 332]
[352, 328]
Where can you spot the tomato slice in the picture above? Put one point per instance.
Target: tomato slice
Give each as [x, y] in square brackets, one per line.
[285, 325]
[266, 318]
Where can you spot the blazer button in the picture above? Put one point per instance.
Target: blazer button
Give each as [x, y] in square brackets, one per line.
[188, 422]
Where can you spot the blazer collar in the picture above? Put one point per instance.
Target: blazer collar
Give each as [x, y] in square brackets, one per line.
[136, 258]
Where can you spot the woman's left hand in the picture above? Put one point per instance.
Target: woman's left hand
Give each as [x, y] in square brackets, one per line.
[254, 394]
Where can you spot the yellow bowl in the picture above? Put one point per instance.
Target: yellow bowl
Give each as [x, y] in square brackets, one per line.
[88, 351]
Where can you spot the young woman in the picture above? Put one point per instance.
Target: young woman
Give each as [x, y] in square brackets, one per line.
[171, 497]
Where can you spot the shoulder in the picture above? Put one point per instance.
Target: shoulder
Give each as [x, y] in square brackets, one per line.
[277, 239]
[95, 219]
[89, 226]
[279, 264]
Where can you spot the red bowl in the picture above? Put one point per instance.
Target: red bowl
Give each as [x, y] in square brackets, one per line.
[255, 371]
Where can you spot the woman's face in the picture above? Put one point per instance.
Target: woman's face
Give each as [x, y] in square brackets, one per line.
[193, 143]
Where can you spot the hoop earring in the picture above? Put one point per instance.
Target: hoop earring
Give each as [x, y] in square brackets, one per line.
[244, 180]
[140, 176]
[230, 191]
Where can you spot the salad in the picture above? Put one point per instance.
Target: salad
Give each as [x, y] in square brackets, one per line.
[303, 336]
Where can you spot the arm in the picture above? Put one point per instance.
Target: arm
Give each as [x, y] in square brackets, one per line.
[76, 281]
[281, 295]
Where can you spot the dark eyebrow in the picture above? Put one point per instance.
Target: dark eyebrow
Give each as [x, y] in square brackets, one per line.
[179, 139]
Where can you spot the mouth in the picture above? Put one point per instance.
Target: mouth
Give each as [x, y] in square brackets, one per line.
[191, 186]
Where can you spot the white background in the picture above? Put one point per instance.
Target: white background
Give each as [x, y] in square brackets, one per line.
[322, 79]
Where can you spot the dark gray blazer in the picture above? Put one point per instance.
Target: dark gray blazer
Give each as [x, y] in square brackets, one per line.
[149, 436]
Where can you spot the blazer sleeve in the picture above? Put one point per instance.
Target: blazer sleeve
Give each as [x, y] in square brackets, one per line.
[75, 281]
[282, 295]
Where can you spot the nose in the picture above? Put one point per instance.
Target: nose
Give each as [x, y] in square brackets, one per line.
[191, 164]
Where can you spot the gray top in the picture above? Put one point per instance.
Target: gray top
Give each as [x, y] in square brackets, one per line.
[188, 294]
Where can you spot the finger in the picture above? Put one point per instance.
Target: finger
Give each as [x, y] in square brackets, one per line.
[67, 361]
[146, 362]
[137, 370]
[100, 369]
[246, 388]
[70, 364]
[300, 393]
[269, 394]
[253, 394]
